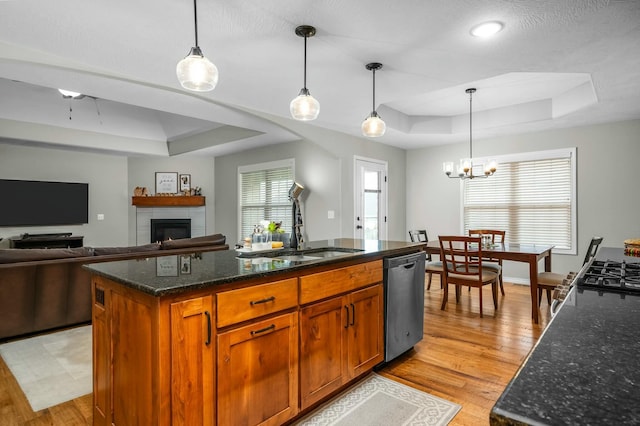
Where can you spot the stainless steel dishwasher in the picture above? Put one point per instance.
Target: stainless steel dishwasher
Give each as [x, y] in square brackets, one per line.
[404, 303]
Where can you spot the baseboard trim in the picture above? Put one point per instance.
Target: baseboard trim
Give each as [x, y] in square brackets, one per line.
[515, 280]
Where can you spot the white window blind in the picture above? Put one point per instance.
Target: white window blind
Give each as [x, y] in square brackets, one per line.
[264, 195]
[532, 199]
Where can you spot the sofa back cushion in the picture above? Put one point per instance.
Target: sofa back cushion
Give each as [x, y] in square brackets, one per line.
[28, 255]
[99, 251]
[208, 240]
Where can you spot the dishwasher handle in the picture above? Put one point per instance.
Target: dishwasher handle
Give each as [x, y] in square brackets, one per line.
[408, 260]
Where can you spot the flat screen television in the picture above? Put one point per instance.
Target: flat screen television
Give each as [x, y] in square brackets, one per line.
[38, 203]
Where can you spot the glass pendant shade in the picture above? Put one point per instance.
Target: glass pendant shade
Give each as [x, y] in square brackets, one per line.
[197, 73]
[447, 167]
[373, 126]
[304, 107]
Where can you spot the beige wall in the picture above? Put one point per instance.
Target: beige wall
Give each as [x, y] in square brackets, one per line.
[324, 163]
[607, 184]
[105, 174]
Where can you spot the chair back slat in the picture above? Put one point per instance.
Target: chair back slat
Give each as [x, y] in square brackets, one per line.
[420, 236]
[462, 256]
[497, 236]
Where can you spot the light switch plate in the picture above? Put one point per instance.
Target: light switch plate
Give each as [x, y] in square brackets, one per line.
[100, 216]
[331, 214]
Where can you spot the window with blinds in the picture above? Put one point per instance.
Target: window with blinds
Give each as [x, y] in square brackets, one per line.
[532, 197]
[264, 195]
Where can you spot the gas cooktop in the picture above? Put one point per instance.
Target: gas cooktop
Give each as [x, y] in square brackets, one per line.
[611, 275]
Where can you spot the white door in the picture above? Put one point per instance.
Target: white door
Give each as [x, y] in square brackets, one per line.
[371, 199]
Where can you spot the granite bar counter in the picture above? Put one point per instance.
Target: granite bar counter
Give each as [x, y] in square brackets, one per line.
[174, 274]
[584, 370]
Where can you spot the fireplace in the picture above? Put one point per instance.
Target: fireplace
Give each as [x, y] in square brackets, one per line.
[170, 229]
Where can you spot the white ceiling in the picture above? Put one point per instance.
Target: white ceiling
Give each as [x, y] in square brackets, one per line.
[557, 63]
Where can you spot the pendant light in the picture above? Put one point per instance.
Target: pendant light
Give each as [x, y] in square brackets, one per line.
[373, 126]
[465, 169]
[195, 72]
[305, 107]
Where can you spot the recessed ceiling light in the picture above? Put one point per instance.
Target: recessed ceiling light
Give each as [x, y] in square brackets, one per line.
[487, 29]
[69, 93]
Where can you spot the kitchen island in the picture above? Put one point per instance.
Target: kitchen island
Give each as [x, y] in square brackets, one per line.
[584, 368]
[236, 338]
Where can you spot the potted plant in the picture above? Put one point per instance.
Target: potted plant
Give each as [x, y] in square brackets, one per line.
[278, 233]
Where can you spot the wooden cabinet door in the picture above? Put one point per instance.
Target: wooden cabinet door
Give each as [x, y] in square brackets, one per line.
[258, 372]
[366, 330]
[322, 349]
[192, 356]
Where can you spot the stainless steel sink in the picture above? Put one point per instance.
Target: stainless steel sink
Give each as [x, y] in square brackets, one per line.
[330, 253]
[308, 255]
[327, 252]
[298, 258]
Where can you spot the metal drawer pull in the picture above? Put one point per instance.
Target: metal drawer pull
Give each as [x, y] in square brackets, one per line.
[263, 330]
[353, 317]
[257, 302]
[208, 315]
[347, 322]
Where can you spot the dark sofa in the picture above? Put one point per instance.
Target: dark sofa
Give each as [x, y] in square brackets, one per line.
[44, 289]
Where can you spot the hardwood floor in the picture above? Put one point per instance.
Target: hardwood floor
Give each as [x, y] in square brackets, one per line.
[467, 359]
[463, 358]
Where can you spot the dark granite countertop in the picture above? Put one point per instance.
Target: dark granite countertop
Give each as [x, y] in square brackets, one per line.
[164, 275]
[585, 368]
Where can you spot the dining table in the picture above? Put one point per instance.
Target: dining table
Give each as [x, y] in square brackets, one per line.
[517, 252]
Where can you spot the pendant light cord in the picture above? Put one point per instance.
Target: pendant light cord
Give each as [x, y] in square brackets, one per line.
[195, 19]
[374, 91]
[305, 63]
[470, 127]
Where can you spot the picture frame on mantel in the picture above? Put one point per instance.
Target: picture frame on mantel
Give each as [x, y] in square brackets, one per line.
[167, 266]
[166, 182]
[185, 265]
[185, 183]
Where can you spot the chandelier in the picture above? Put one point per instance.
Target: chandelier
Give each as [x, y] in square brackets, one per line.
[465, 168]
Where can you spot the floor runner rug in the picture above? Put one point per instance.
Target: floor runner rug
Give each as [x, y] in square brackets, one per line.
[51, 368]
[378, 401]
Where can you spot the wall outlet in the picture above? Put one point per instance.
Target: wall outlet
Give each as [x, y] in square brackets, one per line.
[100, 216]
[331, 214]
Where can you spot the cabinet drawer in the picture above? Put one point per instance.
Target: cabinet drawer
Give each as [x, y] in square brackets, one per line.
[235, 306]
[330, 283]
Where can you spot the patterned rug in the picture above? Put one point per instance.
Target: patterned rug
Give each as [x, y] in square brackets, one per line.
[378, 401]
[52, 368]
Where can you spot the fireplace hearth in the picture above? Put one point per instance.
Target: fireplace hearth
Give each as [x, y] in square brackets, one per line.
[170, 229]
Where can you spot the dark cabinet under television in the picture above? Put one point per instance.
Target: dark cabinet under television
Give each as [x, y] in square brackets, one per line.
[44, 241]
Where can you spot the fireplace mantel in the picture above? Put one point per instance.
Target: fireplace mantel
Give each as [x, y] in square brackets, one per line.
[169, 201]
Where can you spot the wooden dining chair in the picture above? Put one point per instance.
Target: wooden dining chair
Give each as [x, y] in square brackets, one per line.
[431, 266]
[463, 266]
[549, 281]
[494, 264]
